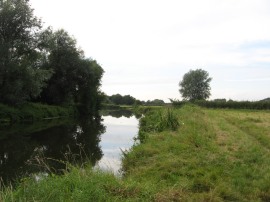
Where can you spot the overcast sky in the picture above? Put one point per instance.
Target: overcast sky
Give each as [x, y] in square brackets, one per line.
[146, 46]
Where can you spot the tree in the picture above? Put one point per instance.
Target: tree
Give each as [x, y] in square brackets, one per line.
[155, 102]
[195, 85]
[75, 79]
[63, 58]
[21, 77]
[88, 94]
[118, 99]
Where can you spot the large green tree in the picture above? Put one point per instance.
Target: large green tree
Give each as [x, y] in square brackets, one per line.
[21, 77]
[75, 79]
[195, 85]
[63, 58]
[44, 66]
[88, 95]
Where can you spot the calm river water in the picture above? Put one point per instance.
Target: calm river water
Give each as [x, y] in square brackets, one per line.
[28, 148]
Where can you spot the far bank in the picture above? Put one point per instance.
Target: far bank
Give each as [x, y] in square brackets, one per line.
[30, 112]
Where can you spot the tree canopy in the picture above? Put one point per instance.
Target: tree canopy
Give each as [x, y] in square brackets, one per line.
[118, 99]
[21, 77]
[75, 79]
[155, 102]
[195, 85]
[43, 65]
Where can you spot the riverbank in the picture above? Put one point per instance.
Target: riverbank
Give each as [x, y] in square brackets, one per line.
[215, 155]
[207, 155]
[33, 112]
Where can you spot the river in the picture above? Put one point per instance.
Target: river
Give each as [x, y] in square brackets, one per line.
[42, 147]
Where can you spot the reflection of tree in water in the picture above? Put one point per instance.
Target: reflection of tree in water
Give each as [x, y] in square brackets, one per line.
[77, 141]
[118, 113]
[13, 153]
[121, 113]
[88, 136]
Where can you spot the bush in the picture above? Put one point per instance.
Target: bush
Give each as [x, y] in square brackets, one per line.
[158, 121]
[259, 105]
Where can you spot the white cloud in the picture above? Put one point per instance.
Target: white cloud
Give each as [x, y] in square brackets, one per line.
[145, 47]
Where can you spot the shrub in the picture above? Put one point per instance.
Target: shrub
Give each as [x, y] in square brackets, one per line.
[158, 121]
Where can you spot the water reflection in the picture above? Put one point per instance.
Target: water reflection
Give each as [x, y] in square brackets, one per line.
[120, 113]
[119, 136]
[117, 113]
[24, 147]
[22, 153]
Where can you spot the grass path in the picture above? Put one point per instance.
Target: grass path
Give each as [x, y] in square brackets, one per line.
[244, 138]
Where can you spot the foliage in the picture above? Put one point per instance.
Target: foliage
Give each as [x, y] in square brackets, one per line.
[195, 85]
[75, 79]
[158, 120]
[64, 60]
[266, 100]
[43, 66]
[155, 102]
[230, 104]
[21, 77]
[88, 94]
[118, 99]
[259, 105]
[32, 112]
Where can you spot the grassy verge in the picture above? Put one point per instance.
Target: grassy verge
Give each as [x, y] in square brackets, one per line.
[32, 112]
[77, 185]
[187, 154]
[216, 155]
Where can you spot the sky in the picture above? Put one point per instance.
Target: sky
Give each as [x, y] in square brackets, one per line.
[146, 46]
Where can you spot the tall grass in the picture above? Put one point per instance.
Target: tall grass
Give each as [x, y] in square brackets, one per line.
[157, 121]
[160, 120]
[77, 183]
[168, 120]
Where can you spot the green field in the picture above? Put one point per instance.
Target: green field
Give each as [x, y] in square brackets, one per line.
[213, 155]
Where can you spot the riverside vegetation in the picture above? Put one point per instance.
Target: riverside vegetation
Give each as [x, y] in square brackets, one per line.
[33, 112]
[188, 154]
[41, 65]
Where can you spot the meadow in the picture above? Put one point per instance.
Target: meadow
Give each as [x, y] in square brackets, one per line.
[186, 154]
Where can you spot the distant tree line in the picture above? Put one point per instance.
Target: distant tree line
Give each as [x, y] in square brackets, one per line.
[43, 65]
[118, 99]
[155, 102]
[230, 104]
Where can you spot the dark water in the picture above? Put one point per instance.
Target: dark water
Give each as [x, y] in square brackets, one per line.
[43, 147]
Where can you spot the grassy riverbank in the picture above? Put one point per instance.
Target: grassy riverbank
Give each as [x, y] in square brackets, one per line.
[32, 112]
[216, 155]
[209, 155]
